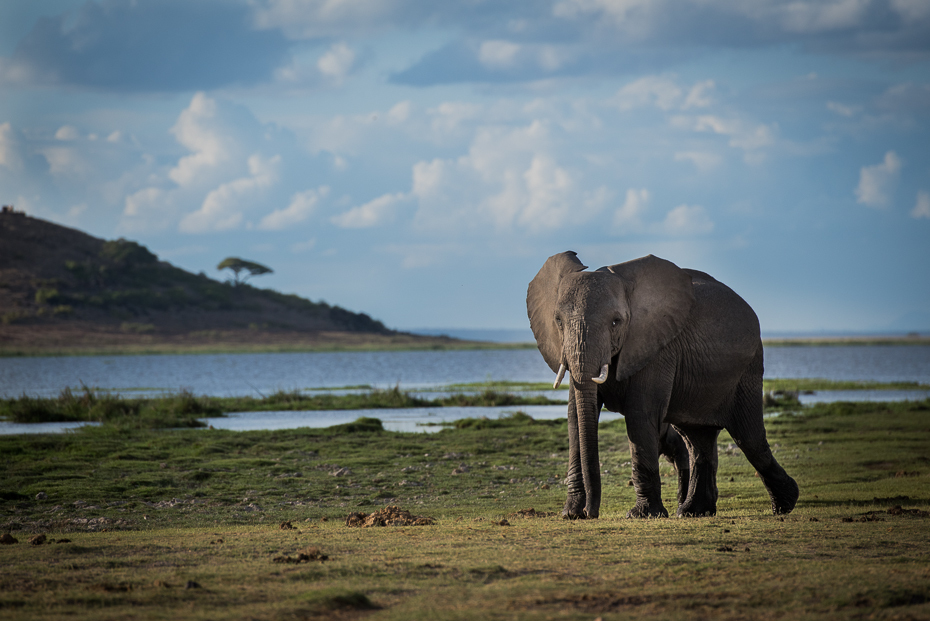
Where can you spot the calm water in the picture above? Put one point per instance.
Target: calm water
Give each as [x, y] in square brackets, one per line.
[244, 374]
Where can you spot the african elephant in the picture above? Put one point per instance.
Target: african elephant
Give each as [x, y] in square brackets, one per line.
[678, 354]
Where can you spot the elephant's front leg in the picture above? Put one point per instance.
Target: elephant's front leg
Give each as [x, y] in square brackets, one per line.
[575, 503]
[644, 454]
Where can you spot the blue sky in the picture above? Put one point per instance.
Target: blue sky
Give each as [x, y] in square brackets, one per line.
[420, 160]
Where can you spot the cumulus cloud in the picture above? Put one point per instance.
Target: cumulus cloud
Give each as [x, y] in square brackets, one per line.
[687, 220]
[628, 216]
[704, 161]
[877, 183]
[337, 61]
[234, 167]
[509, 178]
[223, 208]
[922, 206]
[661, 92]
[201, 129]
[67, 132]
[300, 208]
[372, 213]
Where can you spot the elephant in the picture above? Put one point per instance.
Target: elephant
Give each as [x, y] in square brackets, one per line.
[673, 350]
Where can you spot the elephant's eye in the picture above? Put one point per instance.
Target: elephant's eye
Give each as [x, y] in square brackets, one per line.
[558, 321]
[615, 323]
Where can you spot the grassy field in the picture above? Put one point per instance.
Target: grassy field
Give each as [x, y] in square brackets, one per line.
[209, 524]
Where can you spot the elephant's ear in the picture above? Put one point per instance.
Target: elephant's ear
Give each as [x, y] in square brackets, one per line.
[541, 298]
[660, 296]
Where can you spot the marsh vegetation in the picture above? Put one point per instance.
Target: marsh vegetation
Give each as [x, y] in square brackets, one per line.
[132, 517]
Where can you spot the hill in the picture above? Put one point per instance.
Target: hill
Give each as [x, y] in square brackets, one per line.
[64, 291]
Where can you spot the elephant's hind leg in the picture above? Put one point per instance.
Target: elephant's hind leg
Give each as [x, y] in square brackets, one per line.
[748, 432]
[702, 486]
[676, 451]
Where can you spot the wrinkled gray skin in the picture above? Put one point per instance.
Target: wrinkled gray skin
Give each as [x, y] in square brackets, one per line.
[685, 360]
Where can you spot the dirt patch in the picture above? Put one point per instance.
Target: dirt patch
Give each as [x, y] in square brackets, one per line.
[388, 516]
[595, 603]
[532, 513]
[109, 587]
[898, 510]
[308, 555]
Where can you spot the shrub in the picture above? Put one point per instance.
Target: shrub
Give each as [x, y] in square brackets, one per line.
[46, 295]
[62, 310]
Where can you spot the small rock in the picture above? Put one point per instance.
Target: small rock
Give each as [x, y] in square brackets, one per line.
[8, 539]
[41, 496]
[37, 540]
[192, 585]
[341, 472]
[287, 526]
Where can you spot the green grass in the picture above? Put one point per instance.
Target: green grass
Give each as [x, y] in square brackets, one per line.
[148, 511]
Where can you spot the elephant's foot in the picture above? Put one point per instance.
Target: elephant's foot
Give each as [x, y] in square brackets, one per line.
[784, 496]
[645, 509]
[574, 507]
[697, 509]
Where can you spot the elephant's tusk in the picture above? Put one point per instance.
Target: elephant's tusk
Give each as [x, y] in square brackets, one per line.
[558, 379]
[600, 379]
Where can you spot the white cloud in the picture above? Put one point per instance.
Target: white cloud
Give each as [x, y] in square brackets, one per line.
[841, 109]
[509, 178]
[628, 217]
[372, 213]
[877, 183]
[337, 61]
[399, 112]
[742, 135]
[699, 96]
[687, 220]
[704, 161]
[304, 246]
[67, 132]
[498, 54]
[148, 209]
[300, 208]
[922, 207]
[199, 128]
[658, 91]
[223, 208]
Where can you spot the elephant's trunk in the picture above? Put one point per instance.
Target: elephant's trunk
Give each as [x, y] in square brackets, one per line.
[585, 360]
[586, 403]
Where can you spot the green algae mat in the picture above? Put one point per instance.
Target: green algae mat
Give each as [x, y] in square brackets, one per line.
[356, 522]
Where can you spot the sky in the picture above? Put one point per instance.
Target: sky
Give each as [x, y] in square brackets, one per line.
[419, 160]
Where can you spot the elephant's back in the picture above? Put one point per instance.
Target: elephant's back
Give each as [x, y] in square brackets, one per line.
[713, 353]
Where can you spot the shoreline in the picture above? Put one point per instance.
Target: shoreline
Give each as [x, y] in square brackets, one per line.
[52, 343]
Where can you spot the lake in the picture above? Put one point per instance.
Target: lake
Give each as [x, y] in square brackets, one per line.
[261, 374]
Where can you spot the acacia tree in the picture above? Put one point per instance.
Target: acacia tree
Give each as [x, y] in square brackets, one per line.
[239, 266]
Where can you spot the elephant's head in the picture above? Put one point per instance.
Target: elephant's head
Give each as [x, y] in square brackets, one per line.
[620, 315]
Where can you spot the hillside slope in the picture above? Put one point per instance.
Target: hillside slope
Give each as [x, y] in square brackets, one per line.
[60, 287]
